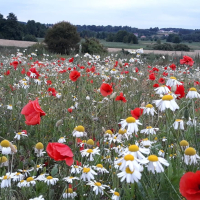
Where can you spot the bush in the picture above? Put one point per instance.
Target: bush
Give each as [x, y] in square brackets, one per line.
[165, 46]
[181, 47]
[62, 38]
[93, 46]
[30, 38]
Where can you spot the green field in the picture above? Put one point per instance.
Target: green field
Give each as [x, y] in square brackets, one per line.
[144, 44]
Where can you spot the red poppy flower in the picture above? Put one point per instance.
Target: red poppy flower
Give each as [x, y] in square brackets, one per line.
[33, 73]
[120, 98]
[52, 91]
[23, 71]
[180, 91]
[7, 73]
[74, 75]
[165, 74]
[152, 77]
[70, 110]
[71, 60]
[189, 185]
[136, 70]
[49, 82]
[137, 112]
[161, 80]
[173, 67]
[59, 152]
[106, 89]
[187, 61]
[196, 83]
[155, 69]
[32, 112]
[156, 85]
[165, 68]
[15, 64]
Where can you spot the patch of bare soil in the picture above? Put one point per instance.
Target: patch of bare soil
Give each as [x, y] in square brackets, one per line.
[192, 53]
[16, 43]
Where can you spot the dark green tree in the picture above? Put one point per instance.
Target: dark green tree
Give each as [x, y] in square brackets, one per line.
[92, 46]
[62, 38]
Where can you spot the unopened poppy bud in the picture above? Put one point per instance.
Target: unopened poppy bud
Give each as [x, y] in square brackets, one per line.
[59, 122]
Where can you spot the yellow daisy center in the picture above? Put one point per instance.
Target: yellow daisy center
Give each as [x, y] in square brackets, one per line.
[184, 143]
[193, 89]
[19, 133]
[99, 165]
[86, 170]
[179, 120]
[190, 151]
[128, 171]
[149, 106]
[116, 194]
[148, 127]
[80, 128]
[49, 177]
[109, 132]
[133, 148]
[3, 159]
[5, 143]
[98, 184]
[17, 174]
[71, 177]
[90, 142]
[29, 179]
[128, 157]
[172, 77]
[122, 131]
[113, 69]
[69, 190]
[89, 151]
[39, 145]
[162, 151]
[167, 98]
[153, 158]
[130, 120]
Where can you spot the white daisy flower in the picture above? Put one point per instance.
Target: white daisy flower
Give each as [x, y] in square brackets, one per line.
[26, 172]
[50, 180]
[17, 176]
[190, 156]
[178, 124]
[108, 134]
[29, 181]
[154, 163]
[69, 194]
[149, 110]
[149, 130]
[19, 134]
[136, 151]
[122, 134]
[173, 82]
[9, 107]
[167, 101]
[184, 144]
[39, 147]
[115, 195]
[58, 95]
[161, 153]
[131, 123]
[129, 161]
[90, 153]
[5, 147]
[22, 183]
[79, 131]
[100, 169]
[3, 161]
[38, 198]
[62, 140]
[146, 143]
[76, 169]
[38, 81]
[191, 122]
[6, 180]
[131, 176]
[192, 94]
[162, 90]
[88, 173]
[98, 188]
[70, 179]
[40, 166]
[114, 139]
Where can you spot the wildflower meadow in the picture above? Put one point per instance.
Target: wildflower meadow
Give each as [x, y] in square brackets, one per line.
[99, 127]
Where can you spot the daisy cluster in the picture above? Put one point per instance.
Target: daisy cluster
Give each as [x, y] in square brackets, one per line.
[97, 127]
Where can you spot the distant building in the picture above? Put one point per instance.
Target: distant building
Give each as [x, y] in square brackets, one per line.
[142, 37]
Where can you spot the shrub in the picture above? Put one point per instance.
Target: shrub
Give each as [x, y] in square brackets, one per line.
[181, 47]
[30, 38]
[62, 38]
[93, 46]
[165, 46]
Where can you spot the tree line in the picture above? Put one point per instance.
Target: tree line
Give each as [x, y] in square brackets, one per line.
[12, 29]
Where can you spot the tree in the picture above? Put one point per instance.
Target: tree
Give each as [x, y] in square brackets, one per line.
[176, 39]
[62, 38]
[93, 46]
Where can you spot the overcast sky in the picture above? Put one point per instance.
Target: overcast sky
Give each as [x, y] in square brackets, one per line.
[134, 13]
